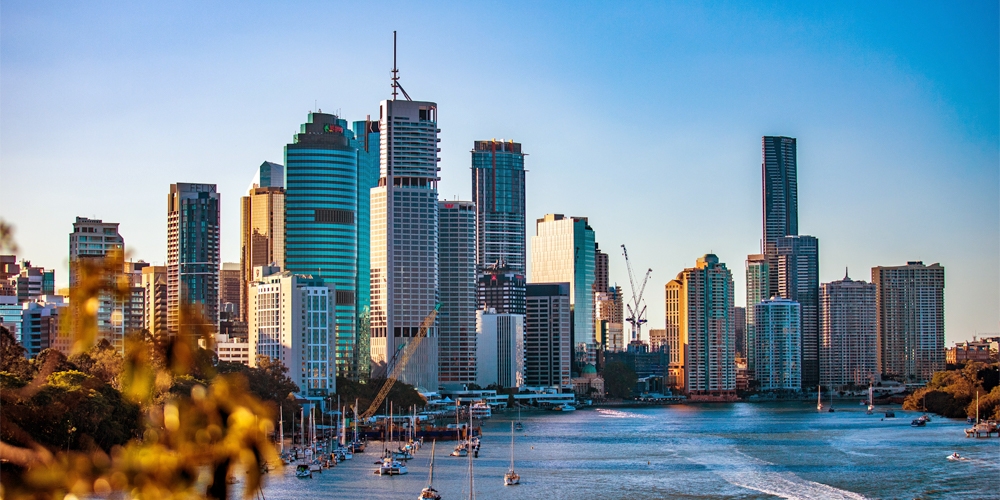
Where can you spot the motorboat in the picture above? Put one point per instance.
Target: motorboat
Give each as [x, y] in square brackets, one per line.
[511, 478]
[955, 456]
[391, 467]
[890, 414]
[461, 450]
[302, 471]
[918, 423]
[402, 454]
[564, 407]
[871, 405]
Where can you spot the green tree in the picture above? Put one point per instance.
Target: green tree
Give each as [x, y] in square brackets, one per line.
[619, 380]
[12, 357]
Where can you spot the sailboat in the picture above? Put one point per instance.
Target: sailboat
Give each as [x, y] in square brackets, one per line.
[831, 402]
[462, 448]
[472, 482]
[511, 478]
[356, 445]
[871, 405]
[389, 466]
[429, 493]
[819, 398]
[518, 426]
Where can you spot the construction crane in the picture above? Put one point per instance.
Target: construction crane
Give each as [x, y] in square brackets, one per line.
[398, 362]
[636, 317]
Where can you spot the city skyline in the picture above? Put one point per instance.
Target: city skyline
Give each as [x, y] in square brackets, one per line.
[840, 202]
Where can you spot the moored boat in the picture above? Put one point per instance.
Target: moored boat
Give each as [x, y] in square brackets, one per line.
[511, 478]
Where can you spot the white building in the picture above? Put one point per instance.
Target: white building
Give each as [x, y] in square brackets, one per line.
[848, 341]
[232, 349]
[292, 321]
[457, 279]
[778, 344]
[499, 349]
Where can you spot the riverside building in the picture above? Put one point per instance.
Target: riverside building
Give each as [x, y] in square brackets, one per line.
[498, 195]
[798, 280]
[548, 349]
[499, 349]
[778, 340]
[848, 342]
[909, 304]
[457, 279]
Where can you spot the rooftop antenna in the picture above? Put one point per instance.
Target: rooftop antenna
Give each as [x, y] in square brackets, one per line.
[395, 72]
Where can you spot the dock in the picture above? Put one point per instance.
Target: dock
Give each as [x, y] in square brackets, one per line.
[983, 429]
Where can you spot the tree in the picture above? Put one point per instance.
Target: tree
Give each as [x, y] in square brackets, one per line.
[12, 357]
[619, 380]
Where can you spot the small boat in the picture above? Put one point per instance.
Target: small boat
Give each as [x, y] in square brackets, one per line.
[302, 471]
[819, 398]
[871, 405]
[511, 478]
[564, 407]
[956, 456]
[429, 493]
[391, 467]
[517, 425]
[461, 450]
[890, 414]
[831, 403]
[481, 410]
[918, 423]
[402, 454]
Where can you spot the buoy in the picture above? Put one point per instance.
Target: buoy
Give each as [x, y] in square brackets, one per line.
[647, 462]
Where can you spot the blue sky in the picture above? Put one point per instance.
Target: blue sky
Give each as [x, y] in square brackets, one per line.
[644, 117]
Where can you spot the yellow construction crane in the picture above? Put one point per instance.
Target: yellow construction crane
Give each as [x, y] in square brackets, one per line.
[397, 367]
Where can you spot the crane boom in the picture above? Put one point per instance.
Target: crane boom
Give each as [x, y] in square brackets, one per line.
[637, 316]
[397, 367]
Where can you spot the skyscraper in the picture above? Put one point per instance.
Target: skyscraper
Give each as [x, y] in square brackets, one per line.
[366, 134]
[609, 319]
[501, 289]
[321, 232]
[909, 303]
[778, 345]
[404, 241]
[230, 282]
[562, 250]
[457, 279]
[547, 345]
[848, 341]
[498, 192]
[758, 289]
[798, 280]
[154, 290]
[262, 225]
[740, 322]
[600, 270]
[780, 189]
[93, 239]
[499, 349]
[699, 304]
[192, 252]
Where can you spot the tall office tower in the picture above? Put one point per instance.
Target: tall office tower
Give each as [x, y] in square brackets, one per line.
[321, 204]
[848, 340]
[498, 192]
[154, 291]
[657, 339]
[609, 319]
[672, 333]
[758, 289]
[798, 280]
[501, 289]
[778, 344]
[457, 279]
[92, 240]
[262, 226]
[781, 198]
[230, 283]
[367, 140]
[192, 253]
[909, 302]
[404, 242]
[293, 321]
[548, 348]
[562, 250]
[699, 304]
[600, 270]
[134, 312]
[499, 349]
[740, 322]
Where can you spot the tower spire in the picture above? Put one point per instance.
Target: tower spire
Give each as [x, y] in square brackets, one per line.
[396, 87]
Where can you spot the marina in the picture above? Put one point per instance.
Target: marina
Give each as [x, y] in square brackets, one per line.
[733, 450]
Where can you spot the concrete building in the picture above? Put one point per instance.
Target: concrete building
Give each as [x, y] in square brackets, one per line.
[456, 320]
[974, 351]
[547, 345]
[293, 321]
[192, 254]
[798, 280]
[740, 320]
[848, 342]
[909, 303]
[262, 226]
[134, 310]
[562, 251]
[90, 242]
[502, 289]
[230, 283]
[404, 240]
[758, 288]
[778, 339]
[658, 339]
[498, 194]
[601, 270]
[8, 269]
[609, 319]
[699, 304]
[154, 290]
[232, 349]
[32, 282]
[499, 349]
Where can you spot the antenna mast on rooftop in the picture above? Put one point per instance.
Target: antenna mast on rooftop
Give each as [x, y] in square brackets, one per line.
[395, 73]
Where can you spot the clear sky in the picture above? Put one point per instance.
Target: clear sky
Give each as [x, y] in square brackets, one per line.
[646, 118]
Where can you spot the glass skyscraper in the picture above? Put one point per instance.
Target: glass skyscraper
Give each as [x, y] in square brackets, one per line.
[367, 140]
[321, 231]
[798, 280]
[780, 185]
[192, 252]
[457, 280]
[498, 192]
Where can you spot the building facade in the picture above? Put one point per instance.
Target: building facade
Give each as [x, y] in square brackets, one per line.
[457, 279]
[498, 194]
[547, 345]
[779, 175]
[230, 283]
[778, 347]
[404, 240]
[502, 289]
[499, 349]
[192, 254]
[658, 339]
[367, 140]
[798, 280]
[92, 240]
[262, 226]
[154, 291]
[740, 320]
[848, 341]
[609, 319]
[909, 307]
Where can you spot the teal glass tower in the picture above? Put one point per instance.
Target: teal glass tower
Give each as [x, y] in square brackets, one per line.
[321, 219]
[498, 192]
[367, 139]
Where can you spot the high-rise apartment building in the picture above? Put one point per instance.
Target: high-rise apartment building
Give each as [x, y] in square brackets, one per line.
[798, 280]
[321, 231]
[778, 345]
[501, 289]
[601, 280]
[457, 281]
[40, 323]
[192, 253]
[404, 240]
[499, 349]
[548, 348]
[154, 291]
[740, 320]
[230, 282]
[367, 140]
[262, 226]
[609, 319]
[92, 240]
[848, 341]
[758, 288]
[780, 189]
[699, 304]
[32, 282]
[909, 304]
[293, 321]
[562, 250]
[498, 192]
[134, 310]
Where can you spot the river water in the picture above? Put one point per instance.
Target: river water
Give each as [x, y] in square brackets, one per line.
[739, 450]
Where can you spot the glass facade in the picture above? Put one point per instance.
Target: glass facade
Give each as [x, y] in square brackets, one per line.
[498, 192]
[778, 343]
[781, 199]
[367, 142]
[321, 232]
[192, 252]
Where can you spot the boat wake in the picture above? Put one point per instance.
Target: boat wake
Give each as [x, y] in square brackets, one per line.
[740, 469]
[609, 413]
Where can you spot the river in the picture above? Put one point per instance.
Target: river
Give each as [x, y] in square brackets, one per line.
[739, 450]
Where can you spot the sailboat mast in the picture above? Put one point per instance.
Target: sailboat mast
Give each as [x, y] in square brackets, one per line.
[281, 430]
